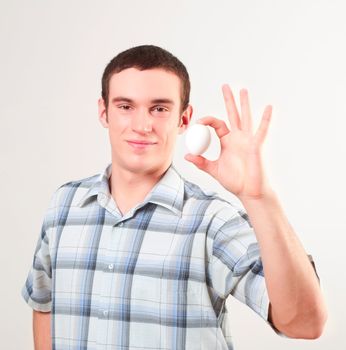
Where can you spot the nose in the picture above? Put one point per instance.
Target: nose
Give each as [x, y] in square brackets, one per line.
[141, 122]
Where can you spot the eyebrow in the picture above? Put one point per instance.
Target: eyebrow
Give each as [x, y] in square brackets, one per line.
[156, 100]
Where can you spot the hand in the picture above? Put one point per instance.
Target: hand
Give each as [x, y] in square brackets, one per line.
[239, 167]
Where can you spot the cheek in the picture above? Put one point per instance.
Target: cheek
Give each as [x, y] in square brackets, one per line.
[118, 124]
[170, 137]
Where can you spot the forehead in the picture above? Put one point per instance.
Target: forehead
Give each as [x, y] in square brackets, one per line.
[145, 84]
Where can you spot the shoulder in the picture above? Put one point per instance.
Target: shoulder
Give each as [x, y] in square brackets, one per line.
[71, 192]
[83, 183]
[219, 209]
[67, 196]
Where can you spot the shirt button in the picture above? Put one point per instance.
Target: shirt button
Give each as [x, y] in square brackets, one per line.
[105, 313]
[110, 266]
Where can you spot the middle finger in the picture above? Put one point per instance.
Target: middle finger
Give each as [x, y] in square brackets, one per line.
[231, 107]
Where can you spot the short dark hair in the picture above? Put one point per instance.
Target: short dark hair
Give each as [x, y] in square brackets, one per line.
[147, 57]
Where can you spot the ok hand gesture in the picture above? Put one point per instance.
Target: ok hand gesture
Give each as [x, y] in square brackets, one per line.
[239, 167]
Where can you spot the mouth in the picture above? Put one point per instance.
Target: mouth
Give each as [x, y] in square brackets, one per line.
[140, 144]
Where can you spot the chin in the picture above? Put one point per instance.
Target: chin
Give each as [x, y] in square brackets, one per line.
[141, 167]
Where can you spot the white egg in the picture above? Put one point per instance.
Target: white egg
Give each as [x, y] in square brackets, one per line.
[197, 139]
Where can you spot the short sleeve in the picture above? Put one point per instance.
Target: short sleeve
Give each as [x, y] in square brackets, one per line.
[37, 288]
[236, 266]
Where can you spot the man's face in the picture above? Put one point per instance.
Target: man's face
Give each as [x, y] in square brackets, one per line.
[143, 118]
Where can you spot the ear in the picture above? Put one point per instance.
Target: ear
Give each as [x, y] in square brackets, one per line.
[102, 111]
[185, 119]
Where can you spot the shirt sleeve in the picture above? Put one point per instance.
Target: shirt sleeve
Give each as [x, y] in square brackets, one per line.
[37, 288]
[236, 265]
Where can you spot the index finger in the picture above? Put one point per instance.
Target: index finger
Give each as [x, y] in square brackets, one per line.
[219, 125]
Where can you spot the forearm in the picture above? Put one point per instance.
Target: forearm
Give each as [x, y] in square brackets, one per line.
[293, 287]
[42, 330]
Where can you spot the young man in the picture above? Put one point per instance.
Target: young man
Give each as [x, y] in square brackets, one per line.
[138, 257]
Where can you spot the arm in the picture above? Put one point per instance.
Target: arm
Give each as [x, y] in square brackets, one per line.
[297, 307]
[42, 331]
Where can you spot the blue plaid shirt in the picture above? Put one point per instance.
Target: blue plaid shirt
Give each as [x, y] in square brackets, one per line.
[156, 277]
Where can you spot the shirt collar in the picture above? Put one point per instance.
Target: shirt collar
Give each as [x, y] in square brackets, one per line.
[167, 192]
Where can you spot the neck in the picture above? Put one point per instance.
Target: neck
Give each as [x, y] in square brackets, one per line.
[129, 189]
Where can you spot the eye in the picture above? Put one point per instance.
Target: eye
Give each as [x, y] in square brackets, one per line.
[124, 107]
[161, 109]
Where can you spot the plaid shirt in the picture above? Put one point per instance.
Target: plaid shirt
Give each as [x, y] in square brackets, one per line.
[156, 277]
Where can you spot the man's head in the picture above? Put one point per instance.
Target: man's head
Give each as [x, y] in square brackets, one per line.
[145, 98]
[145, 57]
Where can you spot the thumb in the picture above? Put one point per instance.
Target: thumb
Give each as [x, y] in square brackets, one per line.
[200, 162]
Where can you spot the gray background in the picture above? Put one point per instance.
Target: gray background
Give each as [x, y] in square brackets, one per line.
[288, 54]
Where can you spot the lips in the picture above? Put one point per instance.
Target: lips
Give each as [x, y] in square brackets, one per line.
[141, 142]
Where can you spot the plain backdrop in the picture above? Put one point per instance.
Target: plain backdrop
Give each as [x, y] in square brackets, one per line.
[290, 54]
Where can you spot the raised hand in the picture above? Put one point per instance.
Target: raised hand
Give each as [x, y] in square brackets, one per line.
[239, 167]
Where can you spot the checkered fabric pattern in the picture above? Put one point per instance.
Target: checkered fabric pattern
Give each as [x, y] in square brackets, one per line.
[156, 277]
